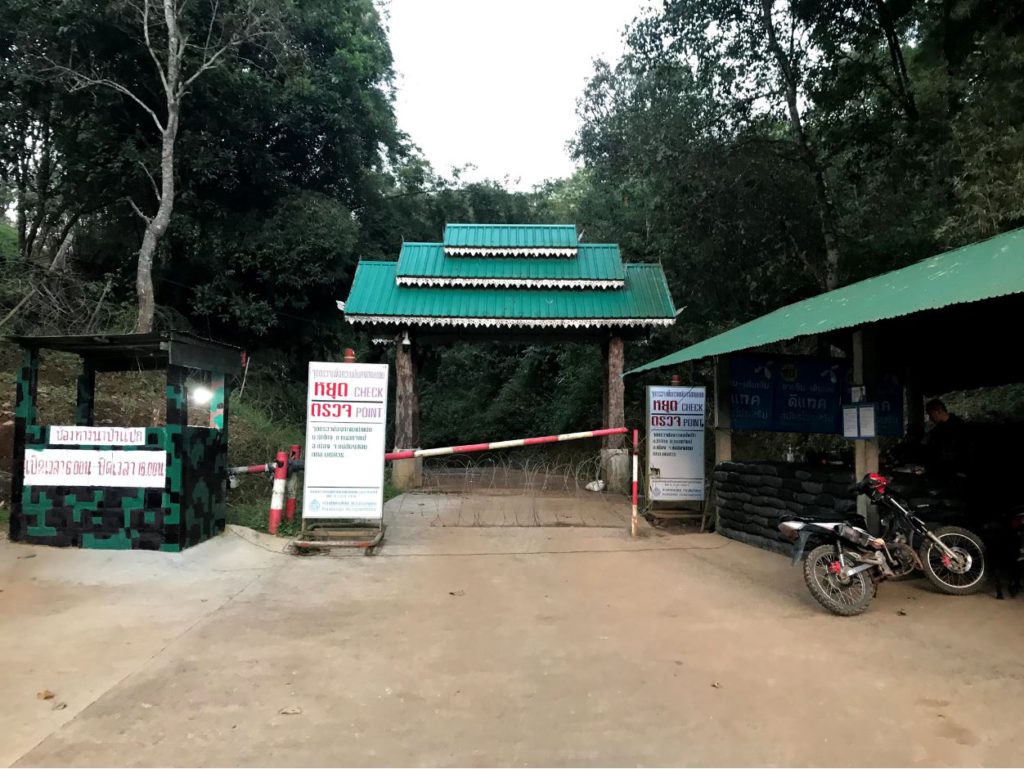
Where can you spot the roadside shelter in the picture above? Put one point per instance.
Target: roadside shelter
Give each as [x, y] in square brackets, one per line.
[123, 487]
[944, 323]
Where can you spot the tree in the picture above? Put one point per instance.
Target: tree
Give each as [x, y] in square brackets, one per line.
[181, 52]
[753, 56]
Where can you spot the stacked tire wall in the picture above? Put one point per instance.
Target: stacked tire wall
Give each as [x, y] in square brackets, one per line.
[753, 497]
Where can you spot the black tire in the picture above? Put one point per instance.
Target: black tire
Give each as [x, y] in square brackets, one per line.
[955, 579]
[846, 600]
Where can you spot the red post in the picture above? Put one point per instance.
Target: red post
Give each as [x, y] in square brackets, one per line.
[350, 355]
[292, 487]
[633, 521]
[277, 495]
[676, 381]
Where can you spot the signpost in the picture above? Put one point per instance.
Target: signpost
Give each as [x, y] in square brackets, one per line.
[346, 412]
[675, 444]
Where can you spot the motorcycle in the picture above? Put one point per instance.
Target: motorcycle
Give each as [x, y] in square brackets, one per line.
[843, 573]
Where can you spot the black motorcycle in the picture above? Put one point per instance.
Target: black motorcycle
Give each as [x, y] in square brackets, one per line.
[843, 572]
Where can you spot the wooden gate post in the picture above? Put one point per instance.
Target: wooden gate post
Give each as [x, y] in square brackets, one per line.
[615, 407]
[615, 468]
[406, 473]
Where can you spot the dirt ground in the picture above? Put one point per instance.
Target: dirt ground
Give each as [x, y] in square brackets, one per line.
[491, 646]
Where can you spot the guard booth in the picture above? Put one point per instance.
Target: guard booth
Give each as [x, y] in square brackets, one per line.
[153, 488]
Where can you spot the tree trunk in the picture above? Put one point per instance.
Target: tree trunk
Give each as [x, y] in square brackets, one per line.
[155, 229]
[615, 412]
[899, 64]
[157, 226]
[44, 154]
[407, 406]
[22, 181]
[826, 211]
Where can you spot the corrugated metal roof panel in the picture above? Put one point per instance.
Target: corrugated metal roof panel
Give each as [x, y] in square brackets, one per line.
[511, 235]
[985, 270]
[375, 293]
[593, 261]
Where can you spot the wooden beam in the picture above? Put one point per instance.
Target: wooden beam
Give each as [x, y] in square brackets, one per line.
[865, 452]
[407, 404]
[615, 412]
[723, 413]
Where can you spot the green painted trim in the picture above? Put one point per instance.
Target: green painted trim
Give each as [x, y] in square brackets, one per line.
[217, 402]
[25, 405]
[116, 542]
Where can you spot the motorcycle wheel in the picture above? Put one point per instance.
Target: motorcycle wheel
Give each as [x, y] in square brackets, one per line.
[845, 598]
[964, 575]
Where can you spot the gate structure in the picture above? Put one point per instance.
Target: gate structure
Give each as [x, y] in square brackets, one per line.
[514, 283]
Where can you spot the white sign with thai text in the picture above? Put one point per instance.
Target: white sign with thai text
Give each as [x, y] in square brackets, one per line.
[675, 444]
[346, 414]
[91, 467]
[97, 436]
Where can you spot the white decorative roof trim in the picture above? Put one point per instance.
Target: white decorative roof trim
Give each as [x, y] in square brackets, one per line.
[508, 282]
[414, 320]
[507, 251]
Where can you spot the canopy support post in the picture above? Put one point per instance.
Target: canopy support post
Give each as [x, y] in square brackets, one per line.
[615, 461]
[406, 473]
[865, 450]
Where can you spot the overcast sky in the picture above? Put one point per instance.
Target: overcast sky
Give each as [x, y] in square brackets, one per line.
[495, 83]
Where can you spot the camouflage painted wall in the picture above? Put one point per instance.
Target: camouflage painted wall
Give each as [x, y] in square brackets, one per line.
[188, 510]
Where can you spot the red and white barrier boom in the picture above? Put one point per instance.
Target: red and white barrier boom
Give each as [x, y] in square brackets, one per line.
[470, 448]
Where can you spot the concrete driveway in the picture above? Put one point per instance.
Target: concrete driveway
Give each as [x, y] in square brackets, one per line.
[491, 646]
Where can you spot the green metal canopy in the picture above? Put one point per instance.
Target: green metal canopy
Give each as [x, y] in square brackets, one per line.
[511, 235]
[595, 266]
[509, 276]
[376, 298]
[986, 270]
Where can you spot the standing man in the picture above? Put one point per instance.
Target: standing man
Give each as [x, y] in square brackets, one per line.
[946, 443]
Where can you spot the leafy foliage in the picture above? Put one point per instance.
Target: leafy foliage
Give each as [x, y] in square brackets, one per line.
[8, 243]
[291, 168]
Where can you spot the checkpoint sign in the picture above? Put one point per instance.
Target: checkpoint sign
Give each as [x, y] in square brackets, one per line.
[346, 413]
[675, 443]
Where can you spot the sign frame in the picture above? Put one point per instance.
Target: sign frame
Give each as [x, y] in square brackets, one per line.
[346, 426]
[677, 443]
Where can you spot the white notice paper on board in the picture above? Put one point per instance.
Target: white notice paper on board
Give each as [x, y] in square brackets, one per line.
[850, 426]
[867, 421]
[346, 413]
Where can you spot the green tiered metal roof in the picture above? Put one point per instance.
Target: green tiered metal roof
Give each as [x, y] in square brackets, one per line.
[376, 298]
[986, 270]
[597, 265]
[526, 276]
[511, 235]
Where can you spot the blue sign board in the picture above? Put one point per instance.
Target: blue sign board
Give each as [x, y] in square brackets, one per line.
[780, 393]
[888, 397]
[751, 392]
